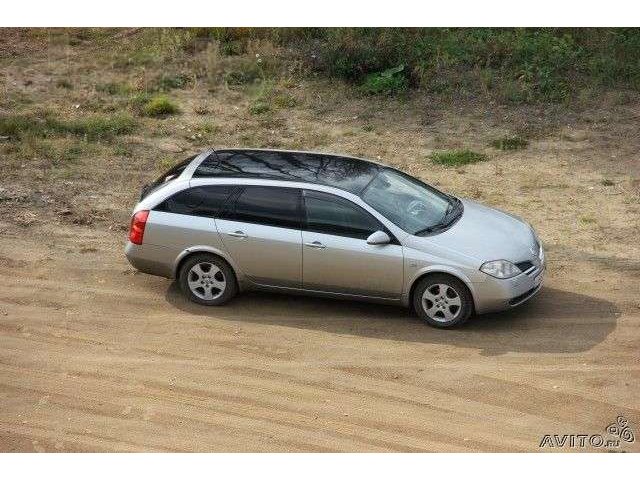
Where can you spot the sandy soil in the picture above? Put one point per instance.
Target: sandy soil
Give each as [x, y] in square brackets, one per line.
[97, 357]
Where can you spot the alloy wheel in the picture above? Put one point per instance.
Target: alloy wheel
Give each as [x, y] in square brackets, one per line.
[206, 281]
[441, 302]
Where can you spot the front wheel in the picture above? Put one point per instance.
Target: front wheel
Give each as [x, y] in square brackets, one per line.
[442, 301]
[207, 279]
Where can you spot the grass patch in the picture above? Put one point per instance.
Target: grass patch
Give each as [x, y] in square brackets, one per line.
[113, 88]
[208, 128]
[259, 107]
[96, 127]
[122, 150]
[389, 82]
[455, 158]
[64, 83]
[167, 82]
[605, 182]
[513, 142]
[270, 96]
[92, 127]
[160, 106]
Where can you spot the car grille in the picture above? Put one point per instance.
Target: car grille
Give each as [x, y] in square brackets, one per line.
[532, 267]
[524, 266]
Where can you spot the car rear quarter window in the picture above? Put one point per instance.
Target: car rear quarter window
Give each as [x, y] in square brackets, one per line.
[332, 215]
[171, 174]
[204, 201]
[273, 206]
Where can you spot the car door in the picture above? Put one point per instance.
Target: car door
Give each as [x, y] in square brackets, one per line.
[262, 232]
[336, 256]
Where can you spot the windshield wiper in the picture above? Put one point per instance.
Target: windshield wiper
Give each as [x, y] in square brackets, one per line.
[430, 229]
[444, 223]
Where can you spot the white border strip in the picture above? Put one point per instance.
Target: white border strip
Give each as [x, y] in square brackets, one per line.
[256, 13]
[318, 466]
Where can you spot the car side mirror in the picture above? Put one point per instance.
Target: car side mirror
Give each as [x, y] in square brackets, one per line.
[378, 238]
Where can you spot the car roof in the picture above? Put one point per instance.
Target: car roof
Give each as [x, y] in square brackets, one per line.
[340, 171]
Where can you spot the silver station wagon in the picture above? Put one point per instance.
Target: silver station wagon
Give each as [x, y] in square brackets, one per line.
[321, 224]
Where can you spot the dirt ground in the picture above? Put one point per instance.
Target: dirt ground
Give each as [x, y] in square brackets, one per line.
[97, 357]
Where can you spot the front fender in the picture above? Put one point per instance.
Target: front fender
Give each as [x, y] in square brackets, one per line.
[421, 272]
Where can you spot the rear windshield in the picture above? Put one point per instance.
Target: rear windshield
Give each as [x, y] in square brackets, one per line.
[172, 173]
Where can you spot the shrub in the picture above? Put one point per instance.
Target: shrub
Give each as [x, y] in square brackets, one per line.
[455, 158]
[159, 106]
[389, 82]
[243, 71]
[510, 143]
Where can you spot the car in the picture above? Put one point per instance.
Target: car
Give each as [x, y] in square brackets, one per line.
[230, 220]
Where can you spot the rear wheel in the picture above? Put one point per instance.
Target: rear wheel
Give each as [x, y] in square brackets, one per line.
[207, 279]
[442, 301]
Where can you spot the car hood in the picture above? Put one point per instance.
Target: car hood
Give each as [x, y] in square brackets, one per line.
[484, 233]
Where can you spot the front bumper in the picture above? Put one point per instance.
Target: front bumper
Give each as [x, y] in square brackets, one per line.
[494, 294]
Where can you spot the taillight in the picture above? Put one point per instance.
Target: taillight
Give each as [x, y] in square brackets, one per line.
[138, 222]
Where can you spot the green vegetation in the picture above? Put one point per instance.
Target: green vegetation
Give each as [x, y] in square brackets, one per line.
[159, 106]
[113, 88]
[258, 107]
[455, 158]
[513, 142]
[167, 82]
[516, 64]
[46, 125]
[269, 97]
[389, 82]
[243, 72]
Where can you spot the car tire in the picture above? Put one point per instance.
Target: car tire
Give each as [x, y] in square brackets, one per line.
[207, 279]
[442, 301]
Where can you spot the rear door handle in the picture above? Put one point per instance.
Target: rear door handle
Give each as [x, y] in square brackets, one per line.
[237, 234]
[315, 244]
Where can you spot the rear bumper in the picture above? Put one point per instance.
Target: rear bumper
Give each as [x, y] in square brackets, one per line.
[495, 294]
[151, 259]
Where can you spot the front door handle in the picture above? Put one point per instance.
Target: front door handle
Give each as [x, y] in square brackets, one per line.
[237, 234]
[315, 244]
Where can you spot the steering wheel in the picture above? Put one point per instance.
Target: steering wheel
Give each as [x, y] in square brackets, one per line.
[416, 207]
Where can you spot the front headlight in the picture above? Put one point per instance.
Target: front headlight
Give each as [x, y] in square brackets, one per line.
[500, 269]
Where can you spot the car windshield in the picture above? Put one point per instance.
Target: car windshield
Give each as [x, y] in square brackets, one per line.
[407, 202]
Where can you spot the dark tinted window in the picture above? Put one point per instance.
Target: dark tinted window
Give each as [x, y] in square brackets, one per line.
[172, 173]
[278, 207]
[206, 201]
[335, 216]
[346, 173]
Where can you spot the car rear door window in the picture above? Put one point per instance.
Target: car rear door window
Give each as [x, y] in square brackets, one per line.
[205, 201]
[274, 206]
[332, 215]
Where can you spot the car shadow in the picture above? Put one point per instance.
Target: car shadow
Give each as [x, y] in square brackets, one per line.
[555, 321]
